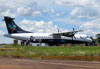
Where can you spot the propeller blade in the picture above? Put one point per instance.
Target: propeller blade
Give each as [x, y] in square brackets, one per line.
[58, 30]
[73, 29]
[73, 36]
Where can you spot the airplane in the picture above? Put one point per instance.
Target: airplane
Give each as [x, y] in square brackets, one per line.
[51, 39]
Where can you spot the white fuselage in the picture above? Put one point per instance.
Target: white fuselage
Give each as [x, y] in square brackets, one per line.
[46, 36]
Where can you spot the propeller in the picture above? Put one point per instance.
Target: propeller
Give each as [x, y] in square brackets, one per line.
[74, 32]
[58, 30]
[73, 36]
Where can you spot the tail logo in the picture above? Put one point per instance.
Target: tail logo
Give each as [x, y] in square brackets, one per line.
[12, 27]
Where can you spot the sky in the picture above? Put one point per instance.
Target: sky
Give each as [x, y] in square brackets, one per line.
[46, 16]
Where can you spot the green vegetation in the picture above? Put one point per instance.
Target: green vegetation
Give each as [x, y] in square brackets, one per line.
[42, 52]
[98, 38]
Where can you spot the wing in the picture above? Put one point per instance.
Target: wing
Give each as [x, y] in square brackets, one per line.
[69, 34]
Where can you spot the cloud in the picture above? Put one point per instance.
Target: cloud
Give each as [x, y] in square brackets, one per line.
[91, 27]
[20, 8]
[73, 2]
[1, 32]
[8, 13]
[39, 26]
[82, 8]
[2, 24]
[68, 20]
[85, 12]
[29, 12]
[34, 8]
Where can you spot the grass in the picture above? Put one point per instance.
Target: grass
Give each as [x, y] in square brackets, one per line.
[91, 53]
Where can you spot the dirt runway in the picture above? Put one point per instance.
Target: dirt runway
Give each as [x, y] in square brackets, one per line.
[13, 63]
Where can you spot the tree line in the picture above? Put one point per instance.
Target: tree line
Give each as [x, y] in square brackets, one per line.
[97, 39]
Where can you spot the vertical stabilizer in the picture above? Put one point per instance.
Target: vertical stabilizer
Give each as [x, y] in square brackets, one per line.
[12, 27]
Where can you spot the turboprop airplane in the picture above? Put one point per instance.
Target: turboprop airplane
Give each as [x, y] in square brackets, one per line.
[51, 39]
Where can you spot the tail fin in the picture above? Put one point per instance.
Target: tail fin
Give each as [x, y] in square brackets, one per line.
[12, 27]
